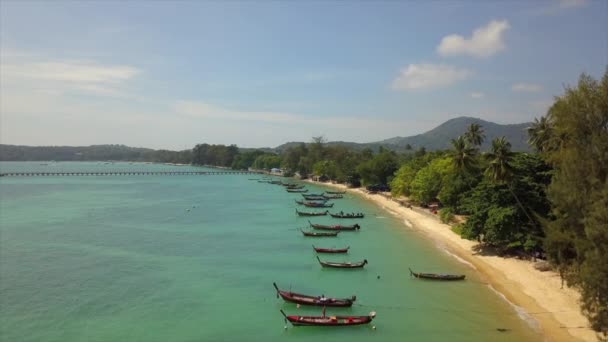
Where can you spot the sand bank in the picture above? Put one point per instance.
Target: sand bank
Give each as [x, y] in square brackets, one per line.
[540, 294]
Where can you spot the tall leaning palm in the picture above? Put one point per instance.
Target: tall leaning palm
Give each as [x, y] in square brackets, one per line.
[474, 134]
[463, 156]
[500, 170]
[539, 133]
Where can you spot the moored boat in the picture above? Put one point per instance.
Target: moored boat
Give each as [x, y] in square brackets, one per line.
[317, 234]
[303, 299]
[331, 250]
[297, 190]
[356, 226]
[347, 215]
[436, 276]
[314, 197]
[306, 213]
[318, 204]
[336, 192]
[332, 196]
[329, 321]
[331, 264]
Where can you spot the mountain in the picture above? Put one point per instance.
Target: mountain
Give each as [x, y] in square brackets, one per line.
[439, 137]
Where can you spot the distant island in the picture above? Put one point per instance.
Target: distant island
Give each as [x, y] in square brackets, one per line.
[433, 140]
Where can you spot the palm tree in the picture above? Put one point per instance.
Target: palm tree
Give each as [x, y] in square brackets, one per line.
[539, 133]
[500, 169]
[463, 156]
[474, 134]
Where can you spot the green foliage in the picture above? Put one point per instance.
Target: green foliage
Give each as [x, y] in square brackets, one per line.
[217, 155]
[267, 161]
[400, 185]
[428, 181]
[243, 161]
[446, 215]
[573, 138]
[379, 169]
[327, 168]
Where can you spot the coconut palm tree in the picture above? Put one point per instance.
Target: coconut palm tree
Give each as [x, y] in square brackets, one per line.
[500, 170]
[474, 134]
[463, 156]
[539, 133]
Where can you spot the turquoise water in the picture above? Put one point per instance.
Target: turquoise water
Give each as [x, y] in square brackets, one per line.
[193, 258]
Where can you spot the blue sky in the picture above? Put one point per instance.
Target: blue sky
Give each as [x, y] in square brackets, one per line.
[260, 73]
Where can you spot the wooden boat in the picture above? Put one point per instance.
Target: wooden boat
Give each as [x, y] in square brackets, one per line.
[329, 321]
[347, 215]
[305, 213]
[317, 234]
[303, 299]
[356, 226]
[321, 194]
[336, 192]
[435, 276]
[300, 202]
[318, 204]
[297, 190]
[331, 250]
[332, 196]
[331, 264]
[295, 186]
[314, 197]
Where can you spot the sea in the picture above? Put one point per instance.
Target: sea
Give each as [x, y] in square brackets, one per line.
[193, 258]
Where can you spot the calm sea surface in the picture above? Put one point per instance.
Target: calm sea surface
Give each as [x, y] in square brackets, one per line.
[193, 258]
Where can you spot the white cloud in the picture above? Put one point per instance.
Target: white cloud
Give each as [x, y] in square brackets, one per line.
[88, 77]
[526, 87]
[558, 7]
[484, 42]
[477, 95]
[426, 76]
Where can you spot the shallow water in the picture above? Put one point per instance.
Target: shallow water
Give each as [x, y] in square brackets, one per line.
[193, 258]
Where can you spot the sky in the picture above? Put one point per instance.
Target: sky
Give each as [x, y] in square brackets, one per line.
[260, 73]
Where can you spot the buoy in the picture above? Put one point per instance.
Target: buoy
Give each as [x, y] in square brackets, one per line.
[373, 327]
[285, 327]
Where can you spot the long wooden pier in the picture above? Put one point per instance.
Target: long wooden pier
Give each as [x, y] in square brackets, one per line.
[125, 173]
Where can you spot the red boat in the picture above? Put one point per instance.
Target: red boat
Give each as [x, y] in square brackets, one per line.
[331, 250]
[329, 321]
[336, 227]
[303, 299]
[315, 234]
[331, 264]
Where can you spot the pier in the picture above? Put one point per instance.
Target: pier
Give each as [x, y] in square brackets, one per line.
[125, 173]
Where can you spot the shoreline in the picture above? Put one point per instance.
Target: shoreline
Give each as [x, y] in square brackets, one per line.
[539, 294]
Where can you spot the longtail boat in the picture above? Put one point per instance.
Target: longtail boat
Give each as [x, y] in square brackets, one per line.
[318, 204]
[435, 276]
[314, 197]
[297, 190]
[306, 213]
[317, 234]
[332, 196]
[356, 226]
[331, 264]
[336, 192]
[347, 215]
[295, 186]
[329, 321]
[300, 202]
[321, 194]
[303, 299]
[331, 250]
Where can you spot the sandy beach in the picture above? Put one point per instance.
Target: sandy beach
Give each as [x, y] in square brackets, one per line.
[539, 294]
